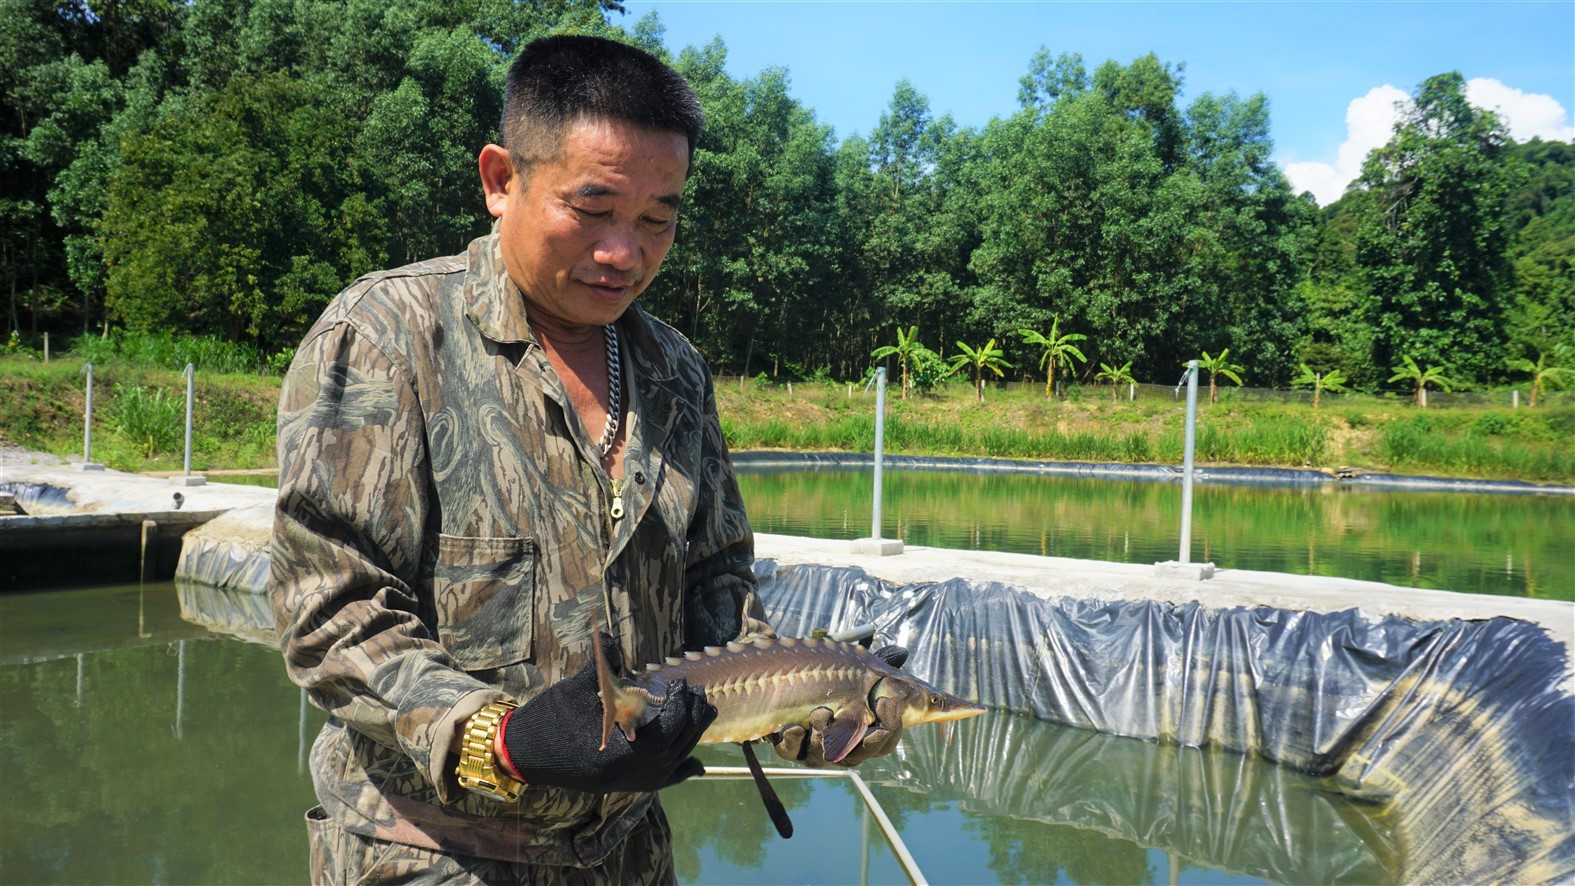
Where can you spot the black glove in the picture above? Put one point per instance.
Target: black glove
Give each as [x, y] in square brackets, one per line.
[552, 739]
[807, 746]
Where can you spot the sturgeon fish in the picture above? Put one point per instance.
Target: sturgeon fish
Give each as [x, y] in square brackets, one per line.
[761, 687]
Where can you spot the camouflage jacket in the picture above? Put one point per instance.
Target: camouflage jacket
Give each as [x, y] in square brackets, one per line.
[443, 540]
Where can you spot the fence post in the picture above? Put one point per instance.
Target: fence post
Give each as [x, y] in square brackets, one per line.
[1514, 399]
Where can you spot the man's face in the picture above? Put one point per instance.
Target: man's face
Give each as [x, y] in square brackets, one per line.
[583, 234]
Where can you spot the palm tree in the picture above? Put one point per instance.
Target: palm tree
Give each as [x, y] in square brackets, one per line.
[1332, 381]
[1116, 376]
[906, 351]
[1058, 350]
[1219, 366]
[988, 357]
[1545, 372]
[1421, 378]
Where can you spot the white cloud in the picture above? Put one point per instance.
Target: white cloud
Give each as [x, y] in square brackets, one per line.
[1527, 115]
[1369, 121]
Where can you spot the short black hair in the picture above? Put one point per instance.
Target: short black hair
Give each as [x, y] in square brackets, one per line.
[559, 80]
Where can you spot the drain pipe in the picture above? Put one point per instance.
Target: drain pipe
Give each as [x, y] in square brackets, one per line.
[1184, 567]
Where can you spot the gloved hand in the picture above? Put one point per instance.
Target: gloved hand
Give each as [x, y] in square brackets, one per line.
[552, 739]
[807, 746]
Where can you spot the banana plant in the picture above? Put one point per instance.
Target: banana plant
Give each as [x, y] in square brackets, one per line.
[1058, 350]
[906, 351]
[988, 357]
[1220, 366]
[1420, 378]
[1546, 372]
[1332, 381]
[1117, 376]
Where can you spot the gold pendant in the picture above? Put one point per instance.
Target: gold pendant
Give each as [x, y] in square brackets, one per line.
[617, 499]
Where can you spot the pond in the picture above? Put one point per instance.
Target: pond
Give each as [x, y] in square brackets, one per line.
[1517, 545]
[141, 746]
[1479, 543]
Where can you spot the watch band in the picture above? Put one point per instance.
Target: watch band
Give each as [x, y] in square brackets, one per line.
[478, 768]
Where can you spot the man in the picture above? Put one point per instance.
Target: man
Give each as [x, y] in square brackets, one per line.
[485, 457]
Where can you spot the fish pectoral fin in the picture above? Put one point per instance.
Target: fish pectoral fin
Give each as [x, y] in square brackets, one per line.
[768, 794]
[843, 734]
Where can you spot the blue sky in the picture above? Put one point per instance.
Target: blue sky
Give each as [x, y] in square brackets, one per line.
[1312, 59]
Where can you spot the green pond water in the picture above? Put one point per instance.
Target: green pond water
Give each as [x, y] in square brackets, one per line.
[1479, 543]
[149, 737]
[1517, 545]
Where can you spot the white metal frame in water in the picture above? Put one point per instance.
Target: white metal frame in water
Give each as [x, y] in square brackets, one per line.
[893, 839]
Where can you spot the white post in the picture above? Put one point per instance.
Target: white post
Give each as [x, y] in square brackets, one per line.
[88, 464]
[188, 479]
[191, 376]
[1514, 399]
[1186, 467]
[875, 544]
[1185, 568]
[880, 445]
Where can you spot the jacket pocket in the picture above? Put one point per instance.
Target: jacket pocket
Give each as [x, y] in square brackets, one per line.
[484, 590]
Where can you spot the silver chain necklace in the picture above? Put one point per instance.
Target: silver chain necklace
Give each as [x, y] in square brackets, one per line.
[614, 392]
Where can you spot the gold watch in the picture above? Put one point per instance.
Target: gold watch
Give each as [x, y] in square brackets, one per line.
[478, 768]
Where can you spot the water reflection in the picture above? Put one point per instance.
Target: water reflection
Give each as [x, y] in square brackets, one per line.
[1478, 543]
[139, 747]
[187, 753]
[1033, 802]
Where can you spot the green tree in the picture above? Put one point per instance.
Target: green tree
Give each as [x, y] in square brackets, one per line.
[988, 358]
[1220, 365]
[1420, 378]
[1432, 236]
[1058, 350]
[1546, 372]
[1333, 381]
[1117, 376]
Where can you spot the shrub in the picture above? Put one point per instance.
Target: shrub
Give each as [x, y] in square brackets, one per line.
[148, 418]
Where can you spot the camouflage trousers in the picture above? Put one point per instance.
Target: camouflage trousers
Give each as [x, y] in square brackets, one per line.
[341, 858]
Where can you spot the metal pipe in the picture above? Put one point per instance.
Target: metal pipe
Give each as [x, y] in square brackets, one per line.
[856, 632]
[905, 859]
[191, 376]
[880, 444]
[87, 420]
[1186, 471]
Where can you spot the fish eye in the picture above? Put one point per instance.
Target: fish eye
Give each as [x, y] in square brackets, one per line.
[935, 700]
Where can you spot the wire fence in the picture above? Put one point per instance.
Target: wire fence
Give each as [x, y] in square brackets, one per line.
[817, 390]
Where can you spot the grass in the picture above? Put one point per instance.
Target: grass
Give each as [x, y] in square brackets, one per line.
[1353, 432]
[139, 421]
[139, 414]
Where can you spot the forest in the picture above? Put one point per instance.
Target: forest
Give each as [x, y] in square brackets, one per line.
[223, 167]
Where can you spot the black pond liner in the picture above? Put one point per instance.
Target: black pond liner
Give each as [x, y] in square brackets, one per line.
[764, 460]
[1460, 733]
